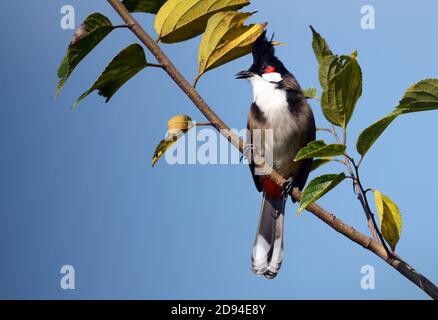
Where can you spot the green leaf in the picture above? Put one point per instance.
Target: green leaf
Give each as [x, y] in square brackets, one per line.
[327, 69]
[310, 93]
[329, 66]
[148, 6]
[180, 20]
[343, 91]
[177, 126]
[316, 163]
[319, 148]
[422, 96]
[389, 217]
[123, 67]
[320, 46]
[91, 32]
[317, 188]
[341, 81]
[370, 135]
[226, 38]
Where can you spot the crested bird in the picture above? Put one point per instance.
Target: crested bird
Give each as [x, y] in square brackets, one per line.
[284, 123]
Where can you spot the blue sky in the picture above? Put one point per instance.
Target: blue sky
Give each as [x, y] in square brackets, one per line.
[78, 188]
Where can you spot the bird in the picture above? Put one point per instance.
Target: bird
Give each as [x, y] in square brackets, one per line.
[280, 123]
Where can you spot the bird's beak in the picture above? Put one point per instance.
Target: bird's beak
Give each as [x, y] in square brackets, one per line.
[244, 75]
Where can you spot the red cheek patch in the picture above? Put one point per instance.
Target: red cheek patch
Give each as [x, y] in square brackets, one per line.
[270, 69]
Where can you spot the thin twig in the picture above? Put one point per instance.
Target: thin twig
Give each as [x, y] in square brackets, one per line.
[374, 246]
[368, 208]
[357, 189]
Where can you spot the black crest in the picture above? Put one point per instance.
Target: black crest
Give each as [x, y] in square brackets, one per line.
[263, 53]
[263, 49]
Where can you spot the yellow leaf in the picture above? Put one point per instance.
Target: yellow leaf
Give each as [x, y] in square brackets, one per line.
[389, 217]
[161, 149]
[180, 20]
[180, 122]
[217, 28]
[177, 126]
[226, 38]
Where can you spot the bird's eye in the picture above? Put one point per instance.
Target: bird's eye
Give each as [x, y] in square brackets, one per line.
[268, 69]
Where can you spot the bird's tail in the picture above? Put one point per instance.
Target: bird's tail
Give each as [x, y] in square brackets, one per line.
[267, 252]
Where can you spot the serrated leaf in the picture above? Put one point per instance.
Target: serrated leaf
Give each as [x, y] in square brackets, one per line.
[320, 46]
[226, 38]
[422, 96]
[370, 135]
[177, 126]
[319, 148]
[91, 32]
[389, 217]
[328, 67]
[341, 81]
[310, 93]
[180, 20]
[316, 163]
[123, 67]
[148, 6]
[343, 91]
[317, 188]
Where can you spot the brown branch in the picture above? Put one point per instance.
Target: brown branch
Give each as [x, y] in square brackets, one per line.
[348, 231]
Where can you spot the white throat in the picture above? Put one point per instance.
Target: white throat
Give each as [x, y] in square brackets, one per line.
[268, 97]
[272, 77]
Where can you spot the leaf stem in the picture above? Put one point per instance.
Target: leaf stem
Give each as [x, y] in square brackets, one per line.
[119, 26]
[195, 82]
[360, 161]
[203, 124]
[340, 161]
[324, 129]
[155, 65]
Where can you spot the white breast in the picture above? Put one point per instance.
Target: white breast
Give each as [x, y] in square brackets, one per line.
[273, 103]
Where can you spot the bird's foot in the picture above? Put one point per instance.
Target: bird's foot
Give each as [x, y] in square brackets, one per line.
[287, 186]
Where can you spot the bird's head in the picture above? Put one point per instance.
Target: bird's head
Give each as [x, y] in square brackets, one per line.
[265, 65]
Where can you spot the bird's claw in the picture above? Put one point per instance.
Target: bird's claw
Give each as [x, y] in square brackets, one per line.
[287, 186]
